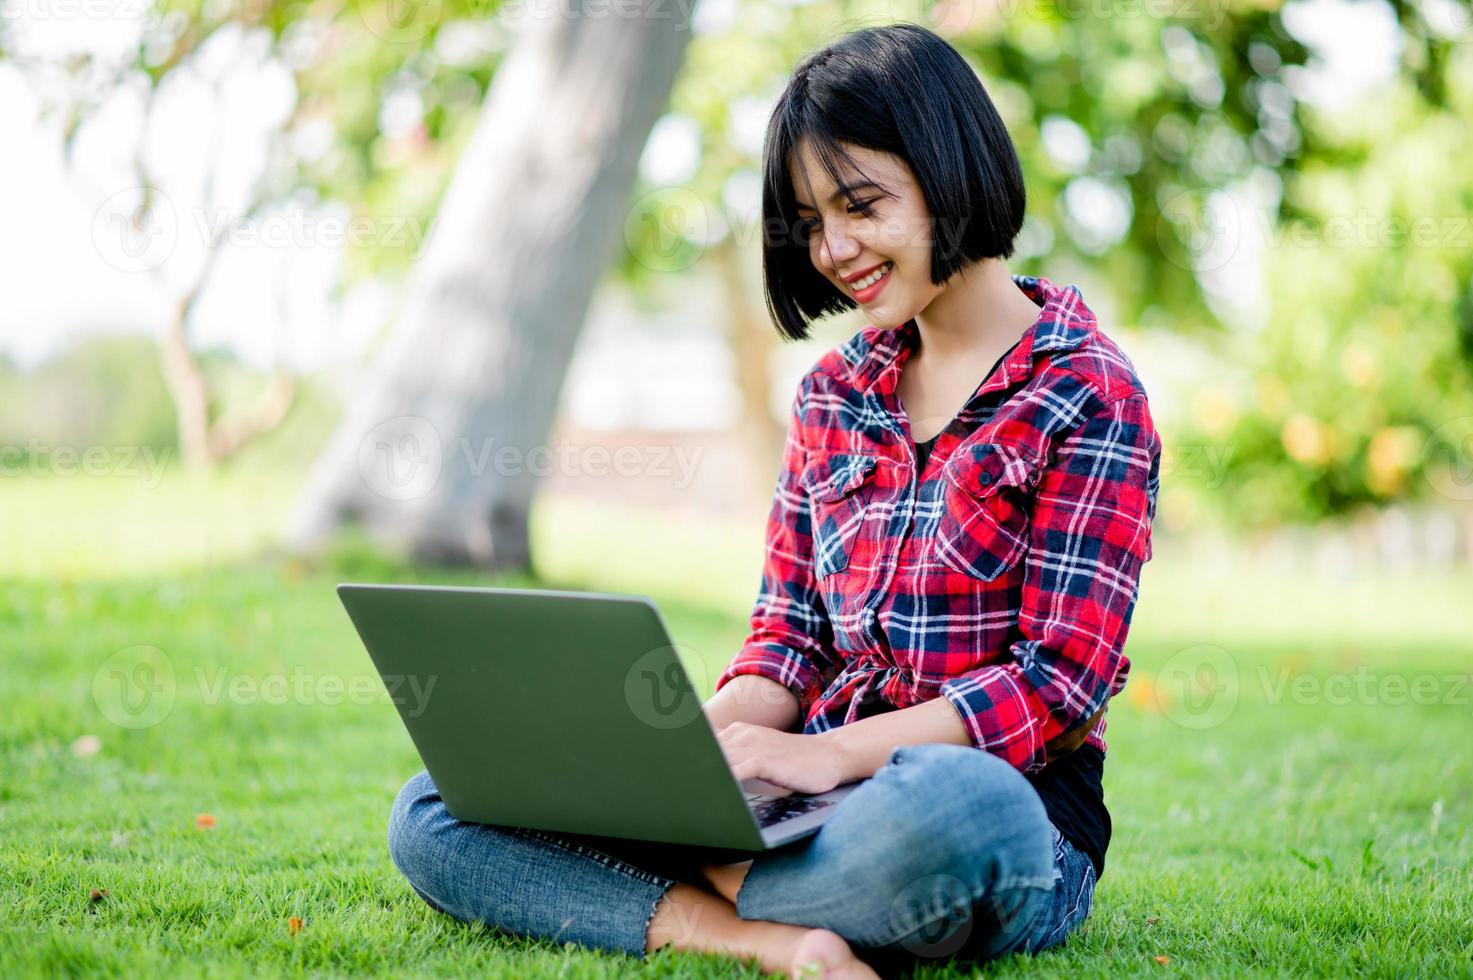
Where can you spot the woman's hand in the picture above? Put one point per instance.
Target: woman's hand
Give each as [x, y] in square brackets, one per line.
[804, 763]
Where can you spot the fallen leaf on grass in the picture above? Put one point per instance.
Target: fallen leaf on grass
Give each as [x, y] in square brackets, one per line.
[1153, 920]
[1163, 960]
[97, 894]
[205, 821]
[294, 925]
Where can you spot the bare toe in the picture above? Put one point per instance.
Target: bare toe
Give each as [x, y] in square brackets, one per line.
[825, 954]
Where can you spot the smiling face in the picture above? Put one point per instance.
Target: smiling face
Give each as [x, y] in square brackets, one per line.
[874, 245]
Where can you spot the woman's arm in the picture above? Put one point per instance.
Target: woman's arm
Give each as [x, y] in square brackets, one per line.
[1090, 533]
[756, 700]
[861, 747]
[791, 641]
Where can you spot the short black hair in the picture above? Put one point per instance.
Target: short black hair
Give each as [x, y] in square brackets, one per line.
[903, 90]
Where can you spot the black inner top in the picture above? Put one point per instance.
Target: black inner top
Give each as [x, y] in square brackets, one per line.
[1070, 785]
[923, 451]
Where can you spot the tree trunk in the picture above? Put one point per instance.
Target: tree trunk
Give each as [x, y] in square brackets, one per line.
[432, 455]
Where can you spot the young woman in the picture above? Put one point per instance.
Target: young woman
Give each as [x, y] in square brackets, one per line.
[956, 536]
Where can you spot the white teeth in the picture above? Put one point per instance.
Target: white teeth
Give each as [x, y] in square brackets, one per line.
[870, 279]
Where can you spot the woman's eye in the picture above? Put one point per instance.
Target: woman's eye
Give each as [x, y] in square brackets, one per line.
[807, 226]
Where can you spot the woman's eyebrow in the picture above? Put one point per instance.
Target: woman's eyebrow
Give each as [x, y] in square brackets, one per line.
[841, 192]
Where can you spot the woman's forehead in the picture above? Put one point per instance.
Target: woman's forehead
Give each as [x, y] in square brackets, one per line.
[806, 171]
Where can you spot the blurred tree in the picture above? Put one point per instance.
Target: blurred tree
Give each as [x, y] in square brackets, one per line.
[386, 102]
[340, 65]
[439, 449]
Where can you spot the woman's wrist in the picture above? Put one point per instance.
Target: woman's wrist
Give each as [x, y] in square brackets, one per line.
[848, 757]
[861, 747]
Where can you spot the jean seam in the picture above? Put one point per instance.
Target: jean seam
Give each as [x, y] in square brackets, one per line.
[1085, 889]
[645, 929]
[1068, 921]
[607, 860]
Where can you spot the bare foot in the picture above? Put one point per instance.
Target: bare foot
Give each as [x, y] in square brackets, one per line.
[687, 917]
[821, 953]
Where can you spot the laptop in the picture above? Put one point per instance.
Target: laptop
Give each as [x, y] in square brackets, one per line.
[566, 711]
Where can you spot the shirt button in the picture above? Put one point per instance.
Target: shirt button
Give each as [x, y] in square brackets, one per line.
[984, 478]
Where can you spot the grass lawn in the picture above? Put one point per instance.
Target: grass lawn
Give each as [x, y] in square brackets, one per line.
[1290, 772]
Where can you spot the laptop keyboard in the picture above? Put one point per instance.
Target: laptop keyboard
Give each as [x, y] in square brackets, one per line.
[775, 809]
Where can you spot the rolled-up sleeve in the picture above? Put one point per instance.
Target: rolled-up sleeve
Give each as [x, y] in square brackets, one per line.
[791, 638]
[1090, 534]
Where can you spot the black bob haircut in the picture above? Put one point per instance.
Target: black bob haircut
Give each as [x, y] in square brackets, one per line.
[900, 89]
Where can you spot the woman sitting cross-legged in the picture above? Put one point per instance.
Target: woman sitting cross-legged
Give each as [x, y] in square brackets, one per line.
[953, 554]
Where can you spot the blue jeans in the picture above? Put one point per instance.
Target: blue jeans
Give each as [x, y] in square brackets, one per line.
[945, 852]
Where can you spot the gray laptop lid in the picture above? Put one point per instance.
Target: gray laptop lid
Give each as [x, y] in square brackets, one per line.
[565, 711]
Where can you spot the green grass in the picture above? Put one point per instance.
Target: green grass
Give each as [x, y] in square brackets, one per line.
[1317, 829]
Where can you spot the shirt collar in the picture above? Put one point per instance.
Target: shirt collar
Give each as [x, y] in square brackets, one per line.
[1064, 323]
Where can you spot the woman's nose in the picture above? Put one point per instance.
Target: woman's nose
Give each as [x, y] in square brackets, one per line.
[840, 246]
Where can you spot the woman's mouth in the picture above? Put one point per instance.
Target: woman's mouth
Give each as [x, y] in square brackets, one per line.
[869, 287]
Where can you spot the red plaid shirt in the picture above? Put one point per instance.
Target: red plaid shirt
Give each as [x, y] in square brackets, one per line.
[1002, 577]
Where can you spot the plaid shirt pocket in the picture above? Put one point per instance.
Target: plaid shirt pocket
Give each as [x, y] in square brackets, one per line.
[983, 526]
[833, 485]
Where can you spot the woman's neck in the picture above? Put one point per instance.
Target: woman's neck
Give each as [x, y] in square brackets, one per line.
[981, 310]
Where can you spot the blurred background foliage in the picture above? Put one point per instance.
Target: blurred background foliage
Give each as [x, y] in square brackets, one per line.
[1159, 143]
